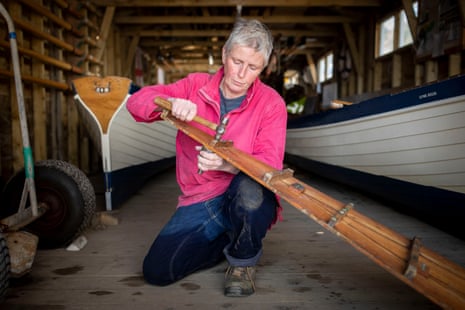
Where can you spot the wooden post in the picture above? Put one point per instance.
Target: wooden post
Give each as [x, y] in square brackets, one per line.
[130, 56]
[419, 69]
[431, 71]
[454, 64]
[58, 102]
[411, 18]
[377, 76]
[363, 56]
[118, 61]
[353, 47]
[104, 30]
[17, 147]
[396, 71]
[39, 100]
[312, 67]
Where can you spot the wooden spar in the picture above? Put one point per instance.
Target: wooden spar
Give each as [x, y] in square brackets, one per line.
[32, 29]
[432, 275]
[45, 59]
[40, 81]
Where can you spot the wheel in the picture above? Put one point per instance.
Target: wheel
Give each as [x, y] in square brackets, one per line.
[85, 188]
[68, 194]
[4, 267]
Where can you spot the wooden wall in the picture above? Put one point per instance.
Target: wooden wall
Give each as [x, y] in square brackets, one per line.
[58, 41]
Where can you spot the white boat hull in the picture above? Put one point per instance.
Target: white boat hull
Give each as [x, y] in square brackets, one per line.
[131, 151]
[417, 148]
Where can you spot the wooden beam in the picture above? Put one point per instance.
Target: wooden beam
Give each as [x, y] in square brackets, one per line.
[166, 44]
[396, 79]
[352, 47]
[363, 52]
[39, 8]
[44, 58]
[462, 11]
[233, 3]
[104, 30]
[130, 56]
[225, 33]
[312, 67]
[454, 64]
[153, 20]
[431, 71]
[37, 80]
[411, 18]
[39, 102]
[27, 26]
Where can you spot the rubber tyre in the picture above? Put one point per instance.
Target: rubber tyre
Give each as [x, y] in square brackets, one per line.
[4, 267]
[85, 188]
[68, 194]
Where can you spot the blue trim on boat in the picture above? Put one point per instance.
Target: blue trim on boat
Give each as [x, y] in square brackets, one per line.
[133, 88]
[126, 182]
[441, 90]
[441, 208]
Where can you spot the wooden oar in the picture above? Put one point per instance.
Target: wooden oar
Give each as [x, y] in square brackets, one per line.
[432, 275]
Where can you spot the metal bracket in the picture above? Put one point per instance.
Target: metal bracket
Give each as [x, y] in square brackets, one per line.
[221, 143]
[340, 214]
[272, 176]
[412, 267]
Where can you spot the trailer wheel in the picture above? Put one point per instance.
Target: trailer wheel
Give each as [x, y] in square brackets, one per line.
[4, 267]
[68, 194]
[85, 188]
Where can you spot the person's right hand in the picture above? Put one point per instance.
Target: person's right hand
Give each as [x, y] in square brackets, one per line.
[183, 109]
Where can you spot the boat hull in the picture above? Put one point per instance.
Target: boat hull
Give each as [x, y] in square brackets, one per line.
[407, 148]
[131, 151]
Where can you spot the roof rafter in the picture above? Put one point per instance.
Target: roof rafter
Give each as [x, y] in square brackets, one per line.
[152, 20]
[229, 3]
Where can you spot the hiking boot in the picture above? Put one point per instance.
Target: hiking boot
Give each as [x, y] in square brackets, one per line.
[239, 281]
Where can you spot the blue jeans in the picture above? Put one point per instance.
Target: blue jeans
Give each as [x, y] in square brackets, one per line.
[202, 235]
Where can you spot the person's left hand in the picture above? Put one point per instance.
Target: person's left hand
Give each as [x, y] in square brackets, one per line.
[208, 161]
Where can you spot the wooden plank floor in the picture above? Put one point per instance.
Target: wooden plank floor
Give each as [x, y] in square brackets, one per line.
[303, 266]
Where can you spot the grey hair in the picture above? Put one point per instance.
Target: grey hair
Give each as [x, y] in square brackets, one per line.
[253, 34]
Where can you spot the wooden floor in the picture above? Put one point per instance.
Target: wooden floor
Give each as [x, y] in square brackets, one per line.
[303, 266]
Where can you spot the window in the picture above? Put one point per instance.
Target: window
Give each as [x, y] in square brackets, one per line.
[394, 32]
[325, 67]
[386, 36]
[329, 66]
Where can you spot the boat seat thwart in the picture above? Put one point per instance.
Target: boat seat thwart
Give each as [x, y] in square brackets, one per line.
[434, 276]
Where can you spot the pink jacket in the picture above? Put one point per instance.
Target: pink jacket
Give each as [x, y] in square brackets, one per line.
[257, 127]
